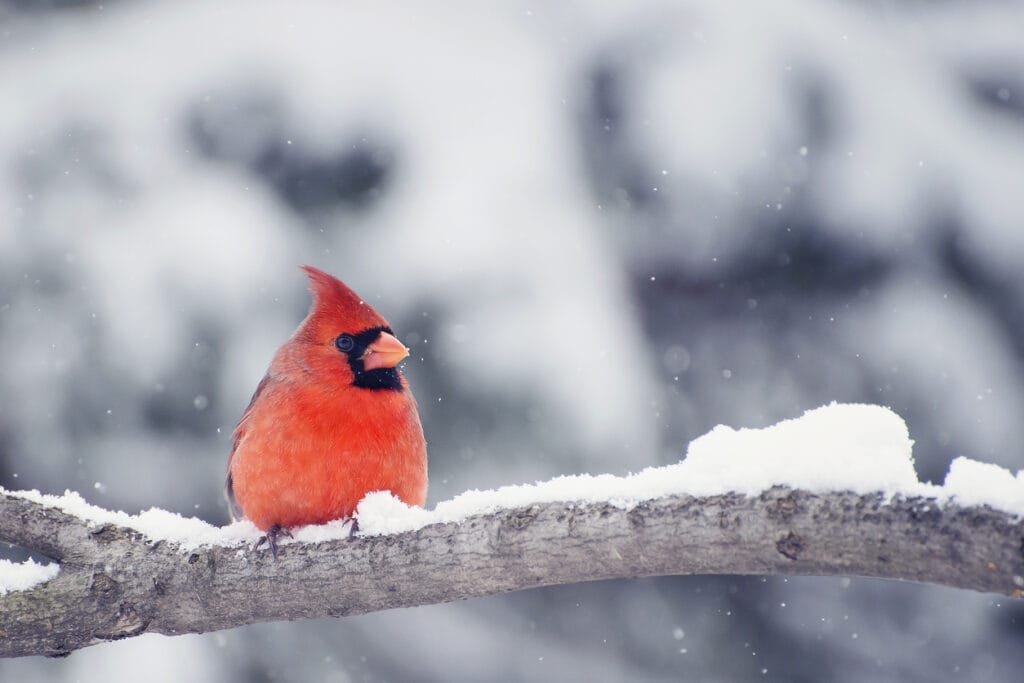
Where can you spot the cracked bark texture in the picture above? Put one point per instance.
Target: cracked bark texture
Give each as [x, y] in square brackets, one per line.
[116, 583]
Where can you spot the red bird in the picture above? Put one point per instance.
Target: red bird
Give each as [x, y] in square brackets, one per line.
[332, 420]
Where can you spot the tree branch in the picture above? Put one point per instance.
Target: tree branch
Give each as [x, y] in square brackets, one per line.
[116, 583]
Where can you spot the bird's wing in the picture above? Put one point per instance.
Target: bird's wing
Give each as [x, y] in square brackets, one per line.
[236, 438]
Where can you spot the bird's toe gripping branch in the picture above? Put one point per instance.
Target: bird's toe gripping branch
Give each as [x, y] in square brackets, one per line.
[270, 538]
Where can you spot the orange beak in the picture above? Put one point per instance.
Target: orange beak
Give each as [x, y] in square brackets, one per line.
[386, 352]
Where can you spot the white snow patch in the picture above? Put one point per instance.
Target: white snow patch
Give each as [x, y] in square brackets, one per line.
[316, 533]
[970, 482]
[20, 576]
[839, 447]
[188, 532]
[854, 447]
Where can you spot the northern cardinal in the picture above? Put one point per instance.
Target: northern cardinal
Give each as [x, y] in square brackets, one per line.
[332, 420]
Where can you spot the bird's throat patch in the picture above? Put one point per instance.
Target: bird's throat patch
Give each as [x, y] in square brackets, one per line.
[378, 378]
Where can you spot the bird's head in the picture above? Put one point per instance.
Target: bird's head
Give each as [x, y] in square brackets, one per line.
[344, 338]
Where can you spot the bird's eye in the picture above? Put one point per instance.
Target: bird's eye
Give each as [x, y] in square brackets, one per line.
[345, 343]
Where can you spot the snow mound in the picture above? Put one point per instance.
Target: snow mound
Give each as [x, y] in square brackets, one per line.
[970, 482]
[838, 447]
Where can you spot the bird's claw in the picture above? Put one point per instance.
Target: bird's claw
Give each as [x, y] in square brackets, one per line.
[270, 538]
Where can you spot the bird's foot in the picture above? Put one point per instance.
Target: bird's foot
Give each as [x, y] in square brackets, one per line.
[270, 538]
[354, 529]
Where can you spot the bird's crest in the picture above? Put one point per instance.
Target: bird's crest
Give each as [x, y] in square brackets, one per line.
[335, 309]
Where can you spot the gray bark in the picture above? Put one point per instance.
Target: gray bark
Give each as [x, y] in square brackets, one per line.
[115, 583]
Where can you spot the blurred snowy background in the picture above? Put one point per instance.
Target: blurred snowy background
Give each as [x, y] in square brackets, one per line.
[603, 228]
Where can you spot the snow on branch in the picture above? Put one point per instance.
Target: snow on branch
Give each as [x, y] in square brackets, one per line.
[850, 505]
